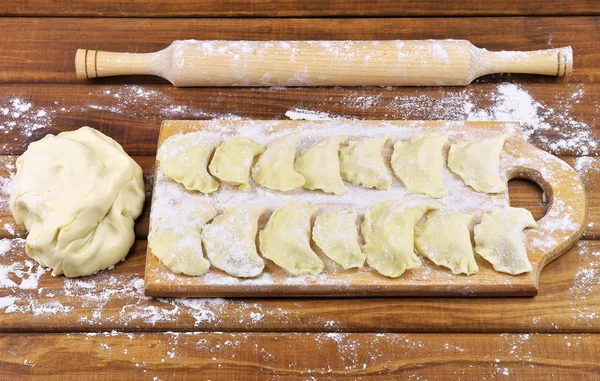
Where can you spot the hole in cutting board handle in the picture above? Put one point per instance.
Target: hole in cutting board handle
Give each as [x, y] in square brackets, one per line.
[525, 193]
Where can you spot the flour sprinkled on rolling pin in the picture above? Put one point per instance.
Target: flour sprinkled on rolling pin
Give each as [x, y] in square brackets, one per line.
[323, 63]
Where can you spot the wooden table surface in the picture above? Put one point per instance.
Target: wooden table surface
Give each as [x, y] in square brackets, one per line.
[102, 327]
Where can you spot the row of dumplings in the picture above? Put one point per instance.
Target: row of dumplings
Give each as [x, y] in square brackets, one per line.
[389, 232]
[417, 163]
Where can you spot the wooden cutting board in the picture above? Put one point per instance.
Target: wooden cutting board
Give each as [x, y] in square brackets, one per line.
[558, 230]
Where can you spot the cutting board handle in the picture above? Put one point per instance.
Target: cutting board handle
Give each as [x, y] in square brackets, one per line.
[566, 216]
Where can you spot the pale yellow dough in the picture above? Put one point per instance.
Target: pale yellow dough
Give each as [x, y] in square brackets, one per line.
[320, 166]
[361, 163]
[499, 239]
[388, 229]
[230, 241]
[77, 194]
[275, 167]
[445, 239]
[418, 163]
[477, 162]
[233, 159]
[184, 158]
[176, 239]
[336, 235]
[286, 239]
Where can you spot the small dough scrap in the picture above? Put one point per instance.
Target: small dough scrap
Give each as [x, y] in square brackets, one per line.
[286, 239]
[336, 235]
[361, 163]
[230, 241]
[184, 158]
[233, 159]
[445, 239]
[477, 162]
[388, 229]
[175, 237]
[499, 239]
[418, 163]
[320, 166]
[275, 167]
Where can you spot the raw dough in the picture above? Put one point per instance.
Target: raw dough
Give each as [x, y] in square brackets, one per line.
[320, 166]
[184, 158]
[230, 241]
[77, 194]
[361, 163]
[418, 163]
[286, 239]
[388, 229]
[499, 239]
[233, 159]
[335, 234]
[275, 167]
[477, 162]
[175, 236]
[445, 239]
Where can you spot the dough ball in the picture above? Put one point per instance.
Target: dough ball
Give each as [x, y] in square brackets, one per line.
[77, 193]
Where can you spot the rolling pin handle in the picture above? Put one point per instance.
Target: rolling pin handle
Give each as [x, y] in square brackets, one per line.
[553, 62]
[86, 63]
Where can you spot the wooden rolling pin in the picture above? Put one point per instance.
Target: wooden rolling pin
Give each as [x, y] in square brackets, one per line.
[323, 63]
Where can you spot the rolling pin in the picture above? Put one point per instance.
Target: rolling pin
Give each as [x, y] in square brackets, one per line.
[323, 63]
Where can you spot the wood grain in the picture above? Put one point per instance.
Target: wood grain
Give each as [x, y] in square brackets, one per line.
[290, 8]
[523, 194]
[24, 38]
[568, 301]
[272, 356]
[132, 114]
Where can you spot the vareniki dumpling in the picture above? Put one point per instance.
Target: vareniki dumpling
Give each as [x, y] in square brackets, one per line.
[233, 159]
[230, 241]
[445, 239]
[418, 163]
[320, 166]
[175, 237]
[275, 167]
[286, 239]
[335, 234]
[361, 163]
[388, 229]
[477, 162]
[499, 239]
[184, 158]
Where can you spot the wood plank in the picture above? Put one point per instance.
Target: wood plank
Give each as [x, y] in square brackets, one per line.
[560, 118]
[523, 194]
[291, 356]
[34, 301]
[42, 50]
[289, 8]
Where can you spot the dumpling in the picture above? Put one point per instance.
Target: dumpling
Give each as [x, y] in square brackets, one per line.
[445, 239]
[320, 166]
[230, 241]
[275, 167]
[477, 162]
[184, 158]
[233, 159]
[418, 163]
[499, 239]
[286, 239]
[388, 229]
[335, 234]
[361, 163]
[178, 244]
